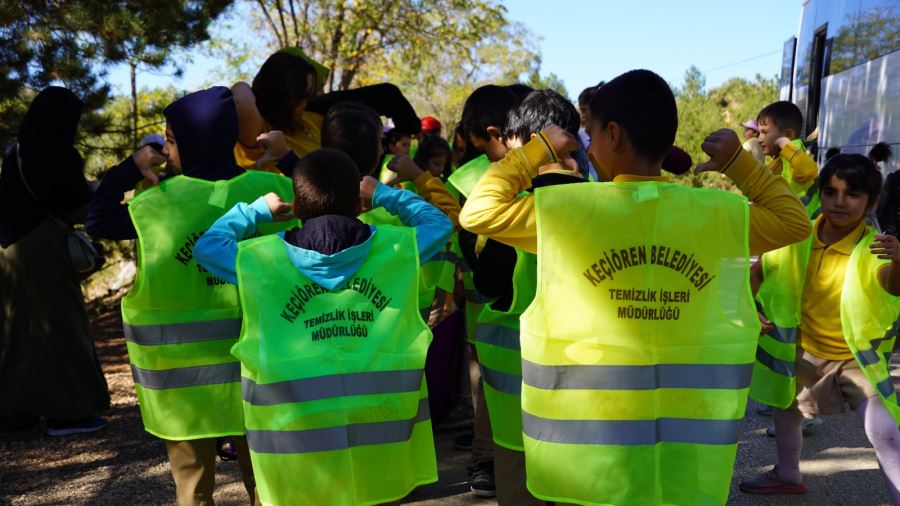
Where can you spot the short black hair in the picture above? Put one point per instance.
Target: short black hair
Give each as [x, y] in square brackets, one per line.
[326, 181]
[351, 128]
[431, 146]
[521, 90]
[784, 115]
[856, 170]
[584, 98]
[281, 84]
[881, 152]
[540, 109]
[831, 153]
[643, 105]
[487, 106]
[393, 136]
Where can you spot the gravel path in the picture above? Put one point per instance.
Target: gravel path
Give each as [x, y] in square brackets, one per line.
[124, 465]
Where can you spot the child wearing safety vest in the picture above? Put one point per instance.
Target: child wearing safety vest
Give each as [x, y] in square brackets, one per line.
[181, 320]
[332, 348]
[836, 295]
[638, 347]
[780, 125]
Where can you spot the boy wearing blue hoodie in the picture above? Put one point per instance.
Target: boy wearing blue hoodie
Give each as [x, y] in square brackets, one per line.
[332, 347]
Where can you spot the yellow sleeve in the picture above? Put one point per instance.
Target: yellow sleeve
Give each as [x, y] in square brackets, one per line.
[777, 218]
[494, 208]
[803, 168]
[433, 191]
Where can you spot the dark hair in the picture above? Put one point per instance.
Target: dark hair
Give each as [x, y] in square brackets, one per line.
[469, 153]
[856, 170]
[351, 128]
[831, 153]
[584, 98]
[643, 105]
[784, 115]
[326, 181]
[881, 152]
[487, 106]
[393, 136]
[281, 84]
[540, 109]
[521, 90]
[429, 147]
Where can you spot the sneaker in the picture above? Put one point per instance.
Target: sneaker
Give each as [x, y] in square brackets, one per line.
[481, 481]
[458, 418]
[765, 410]
[57, 427]
[806, 426]
[770, 483]
[464, 442]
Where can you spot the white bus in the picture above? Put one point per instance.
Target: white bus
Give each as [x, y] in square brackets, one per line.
[843, 71]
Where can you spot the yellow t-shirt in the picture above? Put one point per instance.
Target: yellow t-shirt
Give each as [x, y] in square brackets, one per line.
[302, 142]
[820, 325]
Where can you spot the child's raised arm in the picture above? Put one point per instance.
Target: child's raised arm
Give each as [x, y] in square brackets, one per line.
[433, 228]
[216, 250]
[429, 187]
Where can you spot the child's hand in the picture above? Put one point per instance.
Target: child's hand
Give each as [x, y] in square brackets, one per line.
[720, 146]
[276, 147]
[781, 142]
[281, 210]
[367, 190]
[145, 158]
[886, 247]
[562, 141]
[406, 169]
[766, 325]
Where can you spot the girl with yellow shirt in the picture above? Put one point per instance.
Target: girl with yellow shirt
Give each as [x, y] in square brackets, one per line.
[285, 96]
[845, 283]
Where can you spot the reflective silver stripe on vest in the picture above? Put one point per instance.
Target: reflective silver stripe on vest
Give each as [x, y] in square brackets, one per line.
[326, 387]
[885, 388]
[186, 376]
[776, 365]
[810, 193]
[783, 334]
[505, 382]
[181, 333]
[497, 335]
[867, 357]
[336, 438]
[637, 377]
[632, 432]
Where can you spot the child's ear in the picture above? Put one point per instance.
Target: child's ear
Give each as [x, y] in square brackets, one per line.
[615, 133]
[790, 133]
[494, 132]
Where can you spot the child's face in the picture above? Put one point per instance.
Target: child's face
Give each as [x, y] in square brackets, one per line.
[170, 150]
[769, 132]
[750, 133]
[493, 147]
[436, 165]
[843, 206]
[401, 147]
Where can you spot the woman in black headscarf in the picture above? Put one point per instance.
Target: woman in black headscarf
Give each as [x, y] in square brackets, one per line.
[48, 364]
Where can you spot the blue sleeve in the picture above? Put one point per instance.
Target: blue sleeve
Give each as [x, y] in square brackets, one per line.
[216, 250]
[433, 228]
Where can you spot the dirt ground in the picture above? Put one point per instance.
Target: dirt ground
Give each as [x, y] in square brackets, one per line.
[122, 464]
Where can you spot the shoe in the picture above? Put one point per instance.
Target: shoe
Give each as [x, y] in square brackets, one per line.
[770, 483]
[765, 410]
[806, 426]
[225, 449]
[481, 481]
[57, 427]
[460, 417]
[464, 442]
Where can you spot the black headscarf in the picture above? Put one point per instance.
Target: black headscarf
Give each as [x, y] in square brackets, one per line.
[205, 126]
[51, 178]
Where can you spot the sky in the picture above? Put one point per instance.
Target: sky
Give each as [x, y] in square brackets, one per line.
[586, 41]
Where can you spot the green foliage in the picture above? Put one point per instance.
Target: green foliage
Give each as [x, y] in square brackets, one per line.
[701, 112]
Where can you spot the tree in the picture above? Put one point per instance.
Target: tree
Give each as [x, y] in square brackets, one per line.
[43, 42]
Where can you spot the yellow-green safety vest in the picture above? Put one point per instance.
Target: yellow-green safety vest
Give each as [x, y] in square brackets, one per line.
[467, 176]
[638, 347]
[475, 301]
[334, 393]
[500, 358]
[868, 315]
[787, 171]
[180, 320]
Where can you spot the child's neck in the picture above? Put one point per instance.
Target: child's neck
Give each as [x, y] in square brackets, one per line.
[639, 167]
[829, 233]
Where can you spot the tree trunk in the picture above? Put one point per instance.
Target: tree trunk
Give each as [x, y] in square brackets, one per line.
[132, 66]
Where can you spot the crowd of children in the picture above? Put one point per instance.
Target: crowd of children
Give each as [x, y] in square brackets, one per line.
[297, 265]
